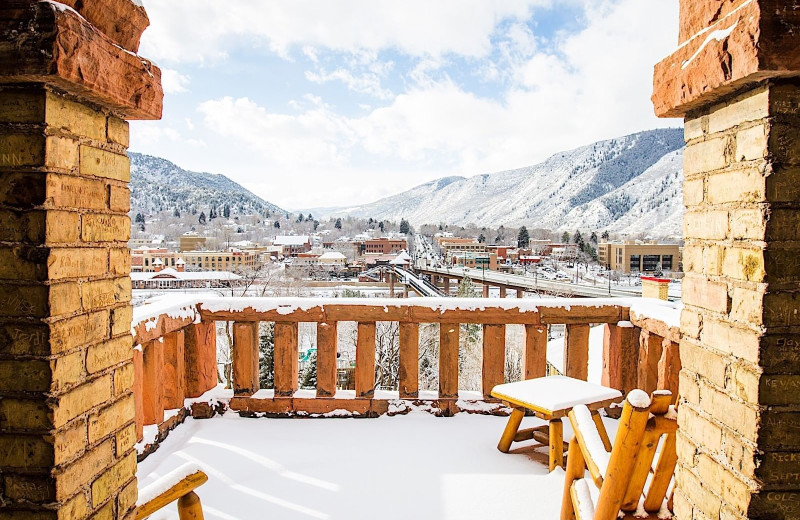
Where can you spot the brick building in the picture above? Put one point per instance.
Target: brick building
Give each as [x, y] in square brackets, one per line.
[637, 257]
[385, 246]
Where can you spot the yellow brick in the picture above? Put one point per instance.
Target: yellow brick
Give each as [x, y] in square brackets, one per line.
[102, 163]
[693, 259]
[24, 375]
[120, 261]
[690, 388]
[739, 454]
[22, 263]
[744, 383]
[691, 323]
[80, 330]
[118, 131]
[28, 301]
[23, 414]
[123, 379]
[712, 260]
[781, 309]
[65, 298]
[16, 226]
[705, 156]
[84, 470]
[61, 153]
[63, 227]
[70, 442]
[693, 192]
[702, 431]
[25, 452]
[709, 225]
[725, 337]
[752, 106]
[77, 262]
[110, 419]
[119, 199]
[699, 292]
[81, 399]
[746, 185]
[747, 306]
[730, 412]
[113, 479]
[75, 118]
[22, 106]
[693, 128]
[21, 150]
[724, 483]
[77, 508]
[751, 143]
[29, 488]
[121, 318]
[104, 293]
[104, 513]
[682, 508]
[126, 439]
[66, 191]
[703, 499]
[702, 361]
[748, 223]
[744, 264]
[127, 498]
[105, 228]
[68, 370]
[110, 353]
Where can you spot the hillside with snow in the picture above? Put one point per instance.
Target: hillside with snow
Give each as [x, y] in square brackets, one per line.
[631, 184]
[159, 185]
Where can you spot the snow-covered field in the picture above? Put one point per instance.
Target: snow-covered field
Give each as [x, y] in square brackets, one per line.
[413, 466]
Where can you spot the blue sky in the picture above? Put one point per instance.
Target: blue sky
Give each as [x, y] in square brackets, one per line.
[313, 103]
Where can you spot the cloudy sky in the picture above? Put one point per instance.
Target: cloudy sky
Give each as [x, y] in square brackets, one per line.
[314, 103]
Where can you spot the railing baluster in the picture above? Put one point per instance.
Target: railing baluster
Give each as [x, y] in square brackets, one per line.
[286, 359]
[174, 370]
[153, 381]
[327, 334]
[365, 360]
[576, 351]
[245, 358]
[494, 357]
[649, 355]
[409, 360]
[200, 353]
[535, 355]
[138, 391]
[448, 360]
[669, 366]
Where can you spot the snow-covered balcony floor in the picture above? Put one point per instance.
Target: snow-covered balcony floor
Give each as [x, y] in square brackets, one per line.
[412, 466]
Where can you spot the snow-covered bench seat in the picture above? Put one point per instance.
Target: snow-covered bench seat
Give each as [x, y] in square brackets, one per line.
[550, 399]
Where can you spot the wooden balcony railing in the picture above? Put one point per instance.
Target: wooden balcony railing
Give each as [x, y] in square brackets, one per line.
[176, 349]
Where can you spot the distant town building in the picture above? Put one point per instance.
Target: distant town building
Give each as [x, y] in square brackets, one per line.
[191, 242]
[232, 259]
[144, 259]
[293, 244]
[474, 259]
[173, 279]
[384, 246]
[637, 257]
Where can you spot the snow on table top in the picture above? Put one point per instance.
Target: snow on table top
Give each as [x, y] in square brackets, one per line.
[410, 466]
[550, 394]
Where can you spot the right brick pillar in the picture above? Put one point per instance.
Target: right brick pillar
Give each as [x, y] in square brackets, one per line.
[734, 80]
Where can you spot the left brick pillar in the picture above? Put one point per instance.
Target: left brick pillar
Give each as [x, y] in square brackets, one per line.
[67, 85]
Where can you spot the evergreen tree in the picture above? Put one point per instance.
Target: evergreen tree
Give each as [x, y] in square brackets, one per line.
[316, 224]
[202, 218]
[338, 223]
[565, 238]
[277, 224]
[578, 238]
[309, 376]
[380, 226]
[523, 238]
[212, 214]
[176, 213]
[266, 356]
[481, 238]
[605, 235]
[404, 227]
[194, 211]
[299, 218]
[226, 211]
[309, 218]
[139, 218]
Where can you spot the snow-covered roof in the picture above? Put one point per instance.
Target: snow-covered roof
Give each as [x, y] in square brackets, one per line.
[401, 259]
[184, 275]
[333, 255]
[291, 240]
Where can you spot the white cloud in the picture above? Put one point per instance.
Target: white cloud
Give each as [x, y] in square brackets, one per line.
[207, 30]
[367, 83]
[174, 82]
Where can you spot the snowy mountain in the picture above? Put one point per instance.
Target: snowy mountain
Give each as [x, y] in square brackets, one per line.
[631, 184]
[159, 185]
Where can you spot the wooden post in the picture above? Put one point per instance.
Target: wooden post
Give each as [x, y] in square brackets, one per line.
[485, 290]
[669, 367]
[556, 437]
[494, 357]
[391, 284]
[502, 291]
[520, 293]
[447, 285]
[576, 469]
[409, 360]
[286, 359]
[649, 356]
[174, 370]
[514, 420]
[153, 382]
[534, 360]
[138, 391]
[448, 360]
[327, 335]
[365, 360]
[200, 353]
[576, 351]
[189, 507]
[245, 358]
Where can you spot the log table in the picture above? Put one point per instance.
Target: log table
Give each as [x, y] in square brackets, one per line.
[550, 399]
